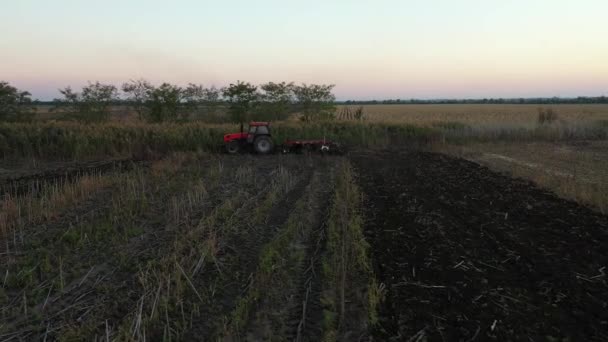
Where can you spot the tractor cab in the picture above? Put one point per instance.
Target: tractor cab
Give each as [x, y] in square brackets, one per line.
[257, 138]
[256, 129]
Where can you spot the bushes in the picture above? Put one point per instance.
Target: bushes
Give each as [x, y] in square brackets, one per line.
[69, 140]
[74, 140]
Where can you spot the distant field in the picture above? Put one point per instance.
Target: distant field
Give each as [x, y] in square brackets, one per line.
[478, 113]
[429, 113]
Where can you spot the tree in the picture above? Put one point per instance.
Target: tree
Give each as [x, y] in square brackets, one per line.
[164, 103]
[193, 96]
[315, 101]
[243, 98]
[138, 92]
[15, 105]
[277, 100]
[202, 101]
[92, 104]
[155, 104]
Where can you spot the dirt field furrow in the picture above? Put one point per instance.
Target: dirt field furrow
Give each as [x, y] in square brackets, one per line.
[263, 310]
[242, 244]
[305, 319]
[297, 279]
[469, 254]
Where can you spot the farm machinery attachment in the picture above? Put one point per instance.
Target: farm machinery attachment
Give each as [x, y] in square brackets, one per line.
[258, 139]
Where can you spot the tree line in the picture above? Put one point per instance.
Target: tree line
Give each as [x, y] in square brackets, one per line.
[238, 102]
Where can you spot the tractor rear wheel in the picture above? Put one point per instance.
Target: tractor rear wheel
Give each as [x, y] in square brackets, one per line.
[263, 144]
[233, 147]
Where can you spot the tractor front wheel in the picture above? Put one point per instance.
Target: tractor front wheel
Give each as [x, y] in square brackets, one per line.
[233, 147]
[263, 144]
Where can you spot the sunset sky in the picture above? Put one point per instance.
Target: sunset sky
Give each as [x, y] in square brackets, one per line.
[369, 49]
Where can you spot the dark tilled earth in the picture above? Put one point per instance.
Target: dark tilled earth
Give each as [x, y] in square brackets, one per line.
[467, 254]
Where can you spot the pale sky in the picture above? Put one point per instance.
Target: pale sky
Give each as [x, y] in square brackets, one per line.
[369, 49]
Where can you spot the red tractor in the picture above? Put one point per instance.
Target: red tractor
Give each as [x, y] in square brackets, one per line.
[258, 139]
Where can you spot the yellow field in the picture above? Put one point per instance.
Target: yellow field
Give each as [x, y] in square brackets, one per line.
[479, 113]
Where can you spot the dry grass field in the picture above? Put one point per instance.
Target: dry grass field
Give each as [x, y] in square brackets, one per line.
[477, 114]
[470, 114]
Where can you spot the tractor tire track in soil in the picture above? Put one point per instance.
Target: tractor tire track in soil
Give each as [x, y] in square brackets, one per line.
[299, 293]
[239, 261]
[306, 318]
[468, 254]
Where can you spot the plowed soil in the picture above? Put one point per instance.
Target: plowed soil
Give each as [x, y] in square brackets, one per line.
[469, 255]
